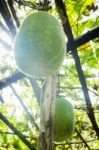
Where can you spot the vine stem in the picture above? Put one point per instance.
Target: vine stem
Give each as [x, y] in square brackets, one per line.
[47, 107]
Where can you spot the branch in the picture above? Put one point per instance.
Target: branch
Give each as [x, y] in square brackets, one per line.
[36, 89]
[83, 142]
[79, 142]
[68, 32]
[31, 118]
[93, 92]
[10, 2]
[37, 6]
[82, 139]
[12, 79]
[13, 134]
[90, 35]
[4, 28]
[18, 76]
[7, 17]
[18, 133]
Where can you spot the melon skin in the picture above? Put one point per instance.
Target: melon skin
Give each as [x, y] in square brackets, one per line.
[64, 121]
[39, 46]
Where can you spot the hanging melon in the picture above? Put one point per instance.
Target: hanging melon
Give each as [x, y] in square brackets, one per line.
[39, 45]
[64, 121]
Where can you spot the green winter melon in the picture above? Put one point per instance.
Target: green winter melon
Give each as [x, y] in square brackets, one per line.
[39, 46]
[64, 121]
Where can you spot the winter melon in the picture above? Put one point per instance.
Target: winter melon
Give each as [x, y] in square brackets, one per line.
[64, 121]
[39, 45]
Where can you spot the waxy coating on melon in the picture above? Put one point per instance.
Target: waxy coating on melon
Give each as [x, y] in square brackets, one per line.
[64, 121]
[39, 46]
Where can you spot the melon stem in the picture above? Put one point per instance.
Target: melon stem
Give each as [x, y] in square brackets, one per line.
[47, 108]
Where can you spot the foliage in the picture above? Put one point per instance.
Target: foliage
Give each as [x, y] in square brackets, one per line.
[20, 100]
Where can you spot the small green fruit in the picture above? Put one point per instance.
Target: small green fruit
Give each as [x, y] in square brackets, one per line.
[64, 121]
[39, 46]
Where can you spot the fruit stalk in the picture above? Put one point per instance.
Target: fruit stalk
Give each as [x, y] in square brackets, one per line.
[48, 97]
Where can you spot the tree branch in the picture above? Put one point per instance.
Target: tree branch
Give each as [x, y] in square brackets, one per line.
[90, 35]
[7, 17]
[13, 134]
[68, 32]
[4, 28]
[10, 2]
[12, 79]
[18, 133]
[37, 6]
[82, 139]
[31, 118]
[36, 89]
